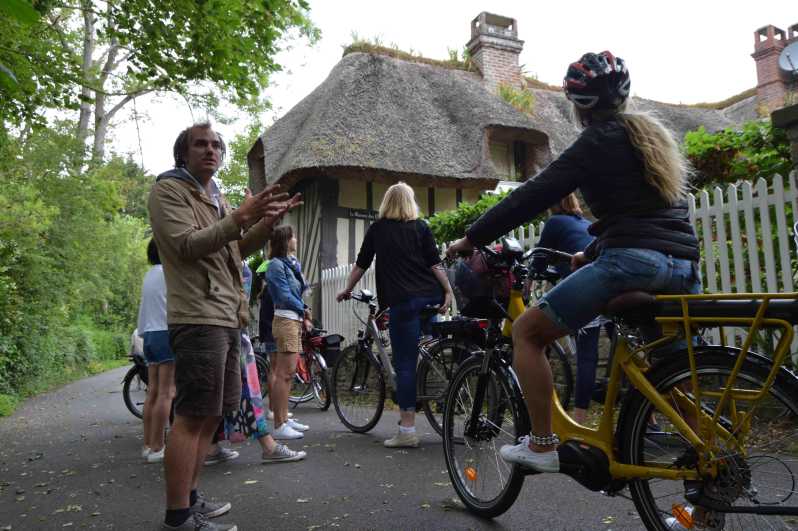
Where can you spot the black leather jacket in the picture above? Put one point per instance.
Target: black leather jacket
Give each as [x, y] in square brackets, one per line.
[604, 165]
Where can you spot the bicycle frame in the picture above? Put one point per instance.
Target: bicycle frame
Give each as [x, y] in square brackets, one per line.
[633, 365]
[371, 336]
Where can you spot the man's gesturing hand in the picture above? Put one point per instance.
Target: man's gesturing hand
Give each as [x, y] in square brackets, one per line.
[281, 207]
[254, 207]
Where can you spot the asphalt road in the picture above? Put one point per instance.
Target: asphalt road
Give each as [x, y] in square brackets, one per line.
[70, 459]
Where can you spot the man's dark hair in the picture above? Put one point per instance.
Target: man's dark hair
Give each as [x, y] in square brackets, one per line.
[278, 244]
[152, 253]
[181, 144]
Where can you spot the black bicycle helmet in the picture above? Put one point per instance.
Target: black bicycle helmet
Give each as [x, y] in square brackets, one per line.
[597, 81]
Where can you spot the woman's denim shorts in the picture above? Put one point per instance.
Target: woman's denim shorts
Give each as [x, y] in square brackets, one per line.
[584, 294]
[156, 347]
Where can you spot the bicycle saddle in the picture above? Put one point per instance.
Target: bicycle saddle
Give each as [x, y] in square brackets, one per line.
[633, 307]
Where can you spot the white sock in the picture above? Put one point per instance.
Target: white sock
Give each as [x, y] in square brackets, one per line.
[407, 429]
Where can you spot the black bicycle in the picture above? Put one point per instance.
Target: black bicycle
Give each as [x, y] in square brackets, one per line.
[134, 385]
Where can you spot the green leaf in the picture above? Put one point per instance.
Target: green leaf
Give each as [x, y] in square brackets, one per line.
[20, 10]
[7, 77]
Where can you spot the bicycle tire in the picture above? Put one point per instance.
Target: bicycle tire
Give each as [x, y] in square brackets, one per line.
[775, 416]
[358, 390]
[435, 371]
[301, 390]
[133, 405]
[321, 384]
[561, 372]
[465, 455]
[263, 366]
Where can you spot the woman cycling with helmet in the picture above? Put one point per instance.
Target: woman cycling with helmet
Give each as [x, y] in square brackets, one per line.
[633, 177]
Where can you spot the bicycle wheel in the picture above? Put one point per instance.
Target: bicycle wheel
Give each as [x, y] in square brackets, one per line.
[358, 390]
[302, 384]
[321, 385]
[486, 484]
[561, 372]
[264, 366]
[435, 371]
[757, 468]
[134, 391]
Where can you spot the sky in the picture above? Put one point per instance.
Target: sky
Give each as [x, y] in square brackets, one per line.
[678, 51]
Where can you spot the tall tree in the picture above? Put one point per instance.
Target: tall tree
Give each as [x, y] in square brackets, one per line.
[112, 51]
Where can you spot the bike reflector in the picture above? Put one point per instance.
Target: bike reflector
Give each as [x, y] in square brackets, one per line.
[471, 473]
[682, 515]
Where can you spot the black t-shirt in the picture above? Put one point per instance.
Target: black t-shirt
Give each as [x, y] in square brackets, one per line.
[405, 253]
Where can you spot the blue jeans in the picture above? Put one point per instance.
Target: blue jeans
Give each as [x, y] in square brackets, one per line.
[404, 328]
[587, 342]
[579, 298]
[156, 347]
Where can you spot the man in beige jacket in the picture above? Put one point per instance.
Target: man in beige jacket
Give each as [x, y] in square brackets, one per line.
[201, 243]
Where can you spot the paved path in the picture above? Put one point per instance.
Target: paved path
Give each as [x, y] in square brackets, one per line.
[70, 459]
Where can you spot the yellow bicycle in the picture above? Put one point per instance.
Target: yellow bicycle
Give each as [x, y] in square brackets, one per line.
[704, 438]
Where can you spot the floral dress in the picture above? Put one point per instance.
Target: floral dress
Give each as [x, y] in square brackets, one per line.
[250, 419]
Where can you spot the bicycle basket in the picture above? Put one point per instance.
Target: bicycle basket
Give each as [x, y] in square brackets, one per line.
[476, 286]
[331, 348]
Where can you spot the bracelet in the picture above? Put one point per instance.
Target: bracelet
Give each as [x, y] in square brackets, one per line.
[548, 440]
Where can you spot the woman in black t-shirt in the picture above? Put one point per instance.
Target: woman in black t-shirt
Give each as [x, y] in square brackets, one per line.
[409, 277]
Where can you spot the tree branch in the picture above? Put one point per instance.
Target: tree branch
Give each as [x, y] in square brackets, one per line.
[124, 101]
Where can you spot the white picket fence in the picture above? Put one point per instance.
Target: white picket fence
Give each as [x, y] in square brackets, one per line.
[341, 317]
[744, 231]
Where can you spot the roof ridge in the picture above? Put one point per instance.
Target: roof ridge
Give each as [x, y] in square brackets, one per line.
[395, 53]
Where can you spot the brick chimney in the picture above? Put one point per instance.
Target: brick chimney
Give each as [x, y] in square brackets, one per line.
[772, 85]
[494, 47]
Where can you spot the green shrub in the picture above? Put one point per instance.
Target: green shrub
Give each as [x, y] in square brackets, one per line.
[7, 404]
[451, 225]
[757, 150]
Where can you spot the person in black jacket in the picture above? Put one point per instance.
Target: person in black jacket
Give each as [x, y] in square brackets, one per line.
[410, 276]
[633, 177]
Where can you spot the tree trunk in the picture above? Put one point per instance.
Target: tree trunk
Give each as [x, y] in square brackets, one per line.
[88, 52]
[100, 128]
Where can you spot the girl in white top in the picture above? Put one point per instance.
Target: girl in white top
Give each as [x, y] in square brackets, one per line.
[160, 360]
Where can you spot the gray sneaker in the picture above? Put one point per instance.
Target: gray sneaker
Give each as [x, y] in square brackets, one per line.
[282, 454]
[221, 455]
[208, 508]
[197, 522]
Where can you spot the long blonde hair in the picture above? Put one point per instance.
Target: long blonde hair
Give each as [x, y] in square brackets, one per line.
[666, 168]
[399, 203]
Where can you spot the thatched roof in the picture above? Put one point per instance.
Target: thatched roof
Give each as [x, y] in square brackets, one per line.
[554, 109]
[386, 118]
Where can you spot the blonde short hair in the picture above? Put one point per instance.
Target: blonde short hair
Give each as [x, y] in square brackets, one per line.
[399, 203]
[568, 205]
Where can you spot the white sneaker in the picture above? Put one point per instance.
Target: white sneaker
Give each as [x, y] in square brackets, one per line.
[282, 454]
[145, 451]
[270, 415]
[522, 455]
[286, 432]
[296, 425]
[156, 457]
[402, 440]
